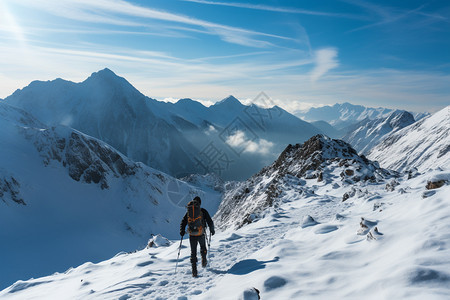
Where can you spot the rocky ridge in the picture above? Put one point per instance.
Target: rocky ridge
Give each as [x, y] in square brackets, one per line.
[321, 158]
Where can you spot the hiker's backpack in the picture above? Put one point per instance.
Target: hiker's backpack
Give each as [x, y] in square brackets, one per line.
[195, 219]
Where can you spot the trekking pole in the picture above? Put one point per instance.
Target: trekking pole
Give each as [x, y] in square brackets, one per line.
[209, 241]
[209, 246]
[179, 249]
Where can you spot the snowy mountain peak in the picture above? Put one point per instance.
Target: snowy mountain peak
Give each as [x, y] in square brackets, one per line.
[108, 79]
[400, 119]
[229, 101]
[105, 73]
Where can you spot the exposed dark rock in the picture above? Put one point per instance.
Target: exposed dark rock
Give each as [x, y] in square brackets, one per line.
[345, 197]
[390, 186]
[87, 159]
[320, 177]
[435, 185]
[349, 172]
[10, 189]
[412, 173]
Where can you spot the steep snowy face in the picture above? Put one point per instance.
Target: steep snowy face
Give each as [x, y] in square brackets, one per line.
[109, 108]
[423, 145]
[366, 134]
[320, 158]
[76, 199]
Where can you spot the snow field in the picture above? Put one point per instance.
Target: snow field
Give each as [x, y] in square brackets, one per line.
[407, 257]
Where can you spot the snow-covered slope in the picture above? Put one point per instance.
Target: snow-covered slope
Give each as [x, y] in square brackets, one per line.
[320, 157]
[66, 198]
[423, 145]
[109, 108]
[367, 133]
[388, 241]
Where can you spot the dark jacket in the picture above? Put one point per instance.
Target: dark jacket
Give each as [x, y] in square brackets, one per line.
[206, 220]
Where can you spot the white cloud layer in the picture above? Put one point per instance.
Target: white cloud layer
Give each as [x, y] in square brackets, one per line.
[240, 141]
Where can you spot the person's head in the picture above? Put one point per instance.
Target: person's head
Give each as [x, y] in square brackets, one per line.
[198, 200]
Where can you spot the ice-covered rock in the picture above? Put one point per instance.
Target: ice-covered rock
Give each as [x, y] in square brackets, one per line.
[158, 241]
[250, 294]
[308, 221]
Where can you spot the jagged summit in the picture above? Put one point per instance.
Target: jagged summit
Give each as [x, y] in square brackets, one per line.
[310, 158]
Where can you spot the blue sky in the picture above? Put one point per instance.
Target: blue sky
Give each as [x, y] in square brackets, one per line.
[301, 53]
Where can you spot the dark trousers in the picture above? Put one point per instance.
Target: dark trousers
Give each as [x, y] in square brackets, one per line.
[193, 241]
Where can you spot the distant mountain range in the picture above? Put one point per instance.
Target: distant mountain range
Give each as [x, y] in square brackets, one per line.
[342, 115]
[228, 138]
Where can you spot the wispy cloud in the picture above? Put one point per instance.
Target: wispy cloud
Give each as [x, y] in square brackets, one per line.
[384, 15]
[276, 9]
[325, 59]
[119, 12]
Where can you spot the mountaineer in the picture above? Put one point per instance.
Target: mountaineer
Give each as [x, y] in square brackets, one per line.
[197, 219]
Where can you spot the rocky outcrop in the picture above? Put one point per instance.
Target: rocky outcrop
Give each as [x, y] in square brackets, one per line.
[87, 159]
[320, 158]
[435, 184]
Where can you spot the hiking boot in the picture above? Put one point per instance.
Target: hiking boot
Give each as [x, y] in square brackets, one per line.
[204, 260]
[194, 270]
